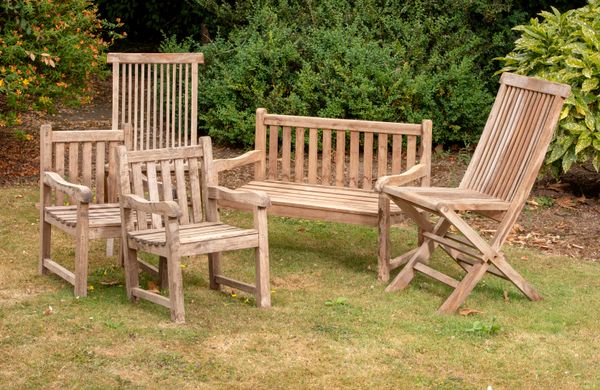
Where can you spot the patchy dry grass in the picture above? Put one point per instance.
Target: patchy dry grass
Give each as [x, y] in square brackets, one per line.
[331, 325]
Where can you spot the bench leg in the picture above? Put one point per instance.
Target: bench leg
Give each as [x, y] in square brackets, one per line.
[176, 288]
[45, 245]
[383, 227]
[132, 279]
[261, 253]
[82, 244]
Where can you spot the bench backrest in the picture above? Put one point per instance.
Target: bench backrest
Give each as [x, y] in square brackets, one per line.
[165, 174]
[341, 152]
[158, 94]
[83, 157]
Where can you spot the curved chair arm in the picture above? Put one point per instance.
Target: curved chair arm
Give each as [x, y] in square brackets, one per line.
[80, 193]
[226, 164]
[414, 173]
[168, 208]
[252, 198]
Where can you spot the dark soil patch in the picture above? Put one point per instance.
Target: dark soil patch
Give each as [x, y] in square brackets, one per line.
[559, 218]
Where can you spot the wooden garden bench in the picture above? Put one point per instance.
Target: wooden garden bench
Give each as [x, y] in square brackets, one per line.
[334, 180]
[81, 165]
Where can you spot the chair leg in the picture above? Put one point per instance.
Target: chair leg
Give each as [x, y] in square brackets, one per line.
[383, 260]
[131, 272]
[464, 288]
[45, 245]
[516, 278]
[176, 288]
[261, 253]
[214, 269]
[82, 244]
[163, 273]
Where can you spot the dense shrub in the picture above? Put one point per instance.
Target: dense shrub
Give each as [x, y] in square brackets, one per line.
[565, 47]
[49, 51]
[397, 61]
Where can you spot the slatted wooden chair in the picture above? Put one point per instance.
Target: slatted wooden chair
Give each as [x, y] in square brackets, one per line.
[78, 164]
[496, 185]
[178, 228]
[158, 94]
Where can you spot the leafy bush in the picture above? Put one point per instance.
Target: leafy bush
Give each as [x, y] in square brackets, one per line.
[394, 61]
[565, 47]
[49, 50]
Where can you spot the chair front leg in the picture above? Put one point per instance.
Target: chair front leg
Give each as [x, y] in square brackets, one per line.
[383, 226]
[174, 271]
[263, 289]
[129, 255]
[45, 229]
[82, 244]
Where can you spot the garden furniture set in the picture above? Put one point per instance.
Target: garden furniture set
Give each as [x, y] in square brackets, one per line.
[151, 182]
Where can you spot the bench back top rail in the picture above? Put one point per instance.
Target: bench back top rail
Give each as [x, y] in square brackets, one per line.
[158, 94]
[167, 174]
[82, 157]
[337, 152]
[515, 138]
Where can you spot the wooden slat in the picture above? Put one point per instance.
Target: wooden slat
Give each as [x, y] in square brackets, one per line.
[150, 296]
[87, 136]
[382, 154]
[397, 154]
[60, 270]
[165, 171]
[112, 190]
[136, 90]
[411, 151]
[235, 284]
[86, 164]
[100, 172]
[173, 104]
[179, 105]
[158, 58]
[142, 124]
[138, 189]
[354, 159]
[149, 91]
[313, 148]
[59, 164]
[286, 155]
[326, 158]
[161, 104]
[115, 95]
[432, 273]
[299, 157]
[186, 129]
[153, 190]
[340, 157]
[74, 162]
[130, 97]
[180, 184]
[368, 162]
[195, 191]
[165, 154]
[168, 130]
[273, 151]
[155, 134]
[194, 103]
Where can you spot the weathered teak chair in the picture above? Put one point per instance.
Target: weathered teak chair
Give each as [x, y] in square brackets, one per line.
[496, 185]
[158, 94]
[89, 180]
[178, 227]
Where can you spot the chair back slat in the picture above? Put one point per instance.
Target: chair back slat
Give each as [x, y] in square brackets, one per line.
[515, 138]
[171, 174]
[79, 157]
[158, 94]
[340, 152]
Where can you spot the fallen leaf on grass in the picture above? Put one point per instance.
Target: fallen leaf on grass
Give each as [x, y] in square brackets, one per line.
[560, 187]
[153, 287]
[49, 311]
[468, 312]
[505, 295]
[566, 202]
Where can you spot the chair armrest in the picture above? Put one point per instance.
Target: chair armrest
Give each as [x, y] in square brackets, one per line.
[226, 164]
[168, 208]
[253, 198]
[414, 173]
[80, 193]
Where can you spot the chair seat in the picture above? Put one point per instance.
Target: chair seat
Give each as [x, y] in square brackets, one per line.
[193, 234]
[101, 215]
[433, 198]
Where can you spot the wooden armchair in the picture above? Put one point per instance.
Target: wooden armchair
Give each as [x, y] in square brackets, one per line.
[496, 185]
[180, 227]
[81, 165]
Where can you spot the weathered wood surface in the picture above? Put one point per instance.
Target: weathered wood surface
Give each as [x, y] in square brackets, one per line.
[496, 185]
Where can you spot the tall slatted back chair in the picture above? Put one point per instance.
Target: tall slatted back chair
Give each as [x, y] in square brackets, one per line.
[496, 185]
[78, 194]
[155, 223]
[158, 94]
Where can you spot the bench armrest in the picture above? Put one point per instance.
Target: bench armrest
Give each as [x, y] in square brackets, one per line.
[168, 208]
[226, 164]
[414, 173]
[80, 193]
[253, 198]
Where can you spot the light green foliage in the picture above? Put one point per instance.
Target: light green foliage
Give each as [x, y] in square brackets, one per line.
[49, 51]
[565, 47]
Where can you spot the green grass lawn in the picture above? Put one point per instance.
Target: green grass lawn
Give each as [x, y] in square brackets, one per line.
[331, 324]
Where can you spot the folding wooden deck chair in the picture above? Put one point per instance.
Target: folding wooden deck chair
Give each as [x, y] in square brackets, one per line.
[496, 185]
[89, 180]
[179, 228]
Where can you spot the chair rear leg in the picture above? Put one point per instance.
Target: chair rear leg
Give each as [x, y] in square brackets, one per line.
[383, 260]
[214, 269]
[45, 245]
[263, 289]
[82, 245]
[131, 272]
